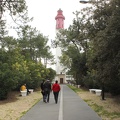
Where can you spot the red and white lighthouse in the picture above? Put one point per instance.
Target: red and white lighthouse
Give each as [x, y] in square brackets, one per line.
[59, 20]
[59, 69]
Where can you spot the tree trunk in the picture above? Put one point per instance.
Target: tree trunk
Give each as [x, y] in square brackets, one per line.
[103, 92]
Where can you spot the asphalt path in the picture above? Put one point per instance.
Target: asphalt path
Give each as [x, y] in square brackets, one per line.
[69, 107]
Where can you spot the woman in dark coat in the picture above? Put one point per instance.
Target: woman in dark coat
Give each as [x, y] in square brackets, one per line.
[42, 89]
[47, 90]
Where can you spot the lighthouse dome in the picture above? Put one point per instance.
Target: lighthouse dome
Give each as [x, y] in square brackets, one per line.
[59, 14]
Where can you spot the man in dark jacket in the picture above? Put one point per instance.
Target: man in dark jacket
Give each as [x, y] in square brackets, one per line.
[42, 89]
[47, 89]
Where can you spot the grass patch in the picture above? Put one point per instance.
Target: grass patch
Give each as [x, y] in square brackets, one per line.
[75, 89]
[87, 100]
[102, 112]
[23, 113]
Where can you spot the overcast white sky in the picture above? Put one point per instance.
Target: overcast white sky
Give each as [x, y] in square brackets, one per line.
[45, 11]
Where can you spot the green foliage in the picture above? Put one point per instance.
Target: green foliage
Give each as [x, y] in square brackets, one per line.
[91, 46]
[73, 45]
[33, 44]
[15, 71]
[90, 49]
[20, 59]
[90, 80]
[6, 76]
[37, 72]
[51, 74]
[16, 9]
[18, 68]
[106, 45]
[79, 66]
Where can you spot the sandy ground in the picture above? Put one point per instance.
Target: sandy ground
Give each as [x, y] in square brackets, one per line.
[16, 106]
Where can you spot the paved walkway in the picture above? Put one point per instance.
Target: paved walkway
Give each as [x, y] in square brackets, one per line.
[70, 107]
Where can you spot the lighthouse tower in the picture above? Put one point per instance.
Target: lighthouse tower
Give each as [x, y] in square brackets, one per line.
[59, 20]
[59, 69]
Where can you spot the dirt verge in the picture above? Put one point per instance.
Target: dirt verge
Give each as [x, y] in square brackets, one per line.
[15, 106]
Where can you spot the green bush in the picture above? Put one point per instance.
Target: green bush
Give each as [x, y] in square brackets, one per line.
[3, 94]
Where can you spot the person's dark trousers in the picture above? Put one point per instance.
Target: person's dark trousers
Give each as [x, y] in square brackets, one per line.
[43, 94]
[56, 96]
[47, 96]
[28, 91]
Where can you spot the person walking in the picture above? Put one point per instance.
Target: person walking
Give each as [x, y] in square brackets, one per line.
[42, 89]
[47, 90]
[56, 88]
